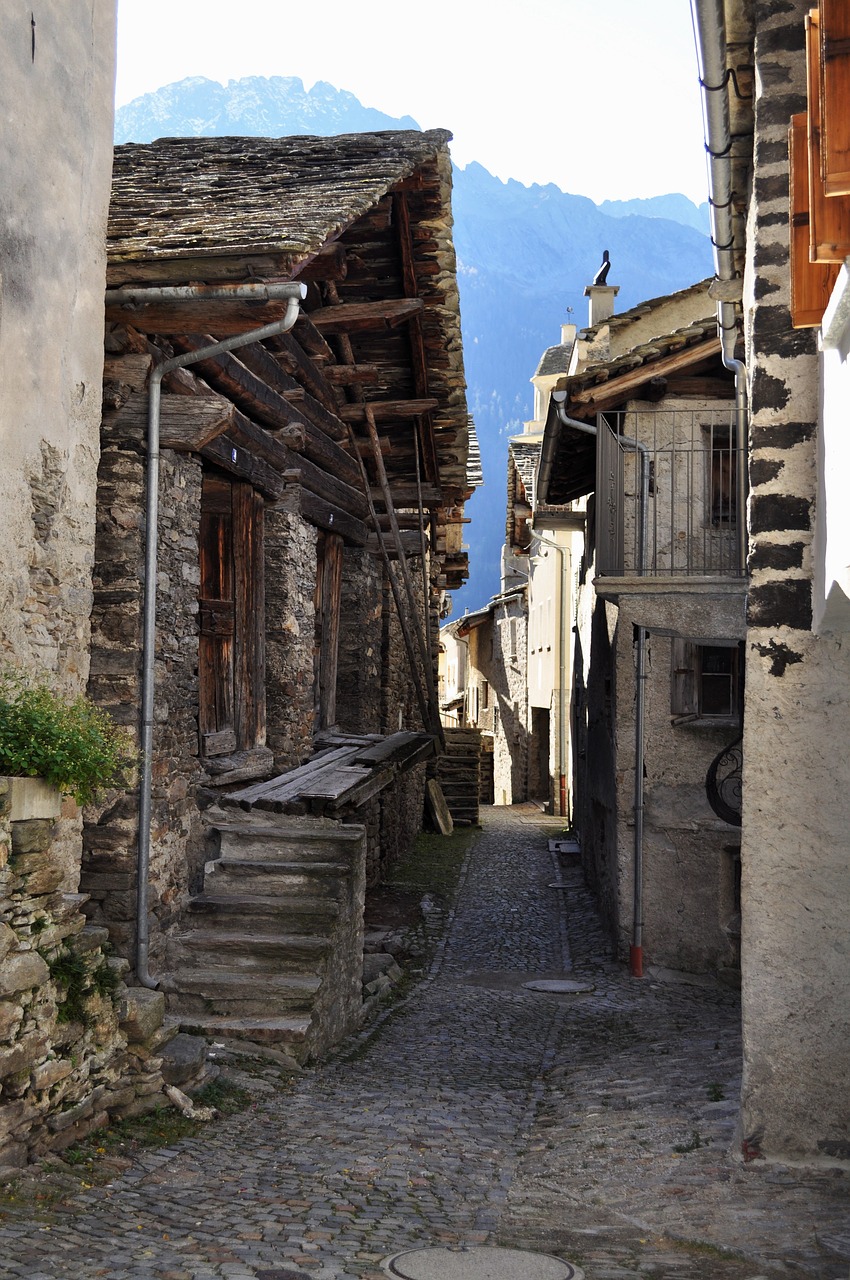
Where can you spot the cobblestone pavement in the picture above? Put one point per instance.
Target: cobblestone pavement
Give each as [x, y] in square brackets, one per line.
[594, 1126]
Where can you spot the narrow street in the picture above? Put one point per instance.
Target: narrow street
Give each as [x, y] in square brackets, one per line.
[595, 1126]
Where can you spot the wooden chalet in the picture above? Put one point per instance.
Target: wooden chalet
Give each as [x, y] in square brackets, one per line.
[311, 503]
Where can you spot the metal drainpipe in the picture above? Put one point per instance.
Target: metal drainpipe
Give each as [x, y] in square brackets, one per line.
[636, 947]
[710, 36]
[293, 294]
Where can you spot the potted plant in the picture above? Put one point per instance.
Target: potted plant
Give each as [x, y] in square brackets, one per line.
[57, 746]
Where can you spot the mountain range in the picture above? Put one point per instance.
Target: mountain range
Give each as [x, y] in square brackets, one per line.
[525, 255]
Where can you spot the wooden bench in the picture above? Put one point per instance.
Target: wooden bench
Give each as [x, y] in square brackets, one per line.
[345, 772]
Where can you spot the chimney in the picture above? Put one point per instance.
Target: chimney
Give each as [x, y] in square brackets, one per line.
[601, 305]
[568, 335]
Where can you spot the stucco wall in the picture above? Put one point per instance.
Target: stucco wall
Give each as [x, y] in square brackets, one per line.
[796, 872]
[56, 160]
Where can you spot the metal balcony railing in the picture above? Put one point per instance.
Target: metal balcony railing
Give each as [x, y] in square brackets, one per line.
[692, 502]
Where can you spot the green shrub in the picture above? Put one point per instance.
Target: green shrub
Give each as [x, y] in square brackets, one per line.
[73, 744]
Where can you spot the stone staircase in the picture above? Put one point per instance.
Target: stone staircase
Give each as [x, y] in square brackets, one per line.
[272, 949]
[459, 775]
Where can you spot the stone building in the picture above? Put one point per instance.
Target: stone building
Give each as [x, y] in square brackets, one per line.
[76, 1047]
[782, 219]
[285, 312]
[644, 432]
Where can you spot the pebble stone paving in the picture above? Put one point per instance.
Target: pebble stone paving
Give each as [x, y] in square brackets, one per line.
[595, 1126]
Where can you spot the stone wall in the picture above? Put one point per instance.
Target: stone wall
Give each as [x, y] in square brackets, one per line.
[76, 1047]
[290, 549]
[796, 874]
[358, 688]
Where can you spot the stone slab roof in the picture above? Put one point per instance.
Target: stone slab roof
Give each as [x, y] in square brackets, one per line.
[647, 354]
[624, 318]
[185, 197]
[554, 360]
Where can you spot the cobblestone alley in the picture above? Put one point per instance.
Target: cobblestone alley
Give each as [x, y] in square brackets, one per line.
[595, 1126]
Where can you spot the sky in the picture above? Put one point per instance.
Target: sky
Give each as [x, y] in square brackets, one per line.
[566, 91]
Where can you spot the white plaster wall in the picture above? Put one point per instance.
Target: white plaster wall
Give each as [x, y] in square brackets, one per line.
[832, 524]
[796, 847]
[56, 159]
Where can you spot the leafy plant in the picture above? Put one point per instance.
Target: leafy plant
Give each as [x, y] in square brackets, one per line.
[69, 971]
[74, 745]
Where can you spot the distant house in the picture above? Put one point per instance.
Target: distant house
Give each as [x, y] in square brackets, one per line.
[643, 430]
[311, 487]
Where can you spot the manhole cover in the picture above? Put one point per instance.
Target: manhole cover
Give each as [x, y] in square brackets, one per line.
[559, 986]
[479, 1262]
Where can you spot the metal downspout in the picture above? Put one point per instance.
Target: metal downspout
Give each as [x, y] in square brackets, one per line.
[710, 37]
[636, 947]
[293, 293]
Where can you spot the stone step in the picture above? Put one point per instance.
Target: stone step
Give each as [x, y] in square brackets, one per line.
[293, 1032]
[279, 844]
[227, 994]
[241, 876]
[246, 954]
[262, 916]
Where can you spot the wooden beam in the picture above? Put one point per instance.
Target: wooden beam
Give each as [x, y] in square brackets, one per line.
[186, 423]
[221, 317]
[228, 374]
[311, 339]
[294, 360]
[235, 268]
[405, 495]
[261, 362]
[387, 410]
[358, 317]
[409, 539]
[330, 263]
[352, 374]
[231, 455]
[619, 387]
[312, 477]
[324, 515]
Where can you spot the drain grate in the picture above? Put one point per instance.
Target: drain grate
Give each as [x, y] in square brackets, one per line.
[478, 1262]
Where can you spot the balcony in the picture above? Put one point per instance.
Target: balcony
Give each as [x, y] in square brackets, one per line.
[668, 499]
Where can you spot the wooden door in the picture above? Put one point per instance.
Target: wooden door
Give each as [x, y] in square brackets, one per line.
[231, 674]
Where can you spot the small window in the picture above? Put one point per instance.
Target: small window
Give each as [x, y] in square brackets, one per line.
[705, 681]
[485, 695]
[722, 496]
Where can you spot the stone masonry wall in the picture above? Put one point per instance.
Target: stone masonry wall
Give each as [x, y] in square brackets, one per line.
[76, 1047]
[290, 550]
[111, 829]
[796, 873]
[358, 689]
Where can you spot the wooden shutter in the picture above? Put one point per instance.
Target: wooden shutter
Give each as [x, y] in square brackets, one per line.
[609, 501]
[835, 95]
[811, 282]
[328, 595]
[684, 699]
[231, 676]
[829, 219]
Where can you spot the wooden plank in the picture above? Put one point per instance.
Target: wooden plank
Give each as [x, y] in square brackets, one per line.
[358, 793]
[218, 744]
[324, 515]
[610, 393]
[404, 748]
[352, 374]
[409, 539]
[223, 317]
[829, 218]
[277, 792]
[333, 783]
[234, 268]
[358, 317]
[835, 86]
[405, 495]
[249, 664]
[232, 456]
[330, 553]
[388, 410]
[229, 375]
[811, 282]
[293, 358]
[312, 340]
[215, 644]
[186, 423]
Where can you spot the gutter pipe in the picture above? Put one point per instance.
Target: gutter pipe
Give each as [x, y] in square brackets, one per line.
[641, 634]
[292, 294]
[709, 25]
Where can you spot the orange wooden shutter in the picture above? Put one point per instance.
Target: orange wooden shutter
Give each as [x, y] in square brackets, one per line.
[829, 219]
[811, 282]
[835, 95]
